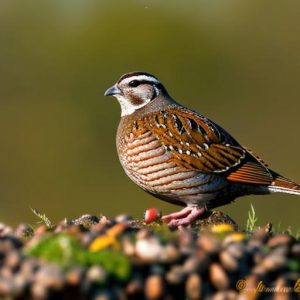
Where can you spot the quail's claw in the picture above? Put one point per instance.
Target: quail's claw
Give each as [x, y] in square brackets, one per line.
[184, 217]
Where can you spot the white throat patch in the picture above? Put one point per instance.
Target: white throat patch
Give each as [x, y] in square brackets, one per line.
[128, 108]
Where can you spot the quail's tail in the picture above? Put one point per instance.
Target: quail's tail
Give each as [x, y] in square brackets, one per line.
[283, 185]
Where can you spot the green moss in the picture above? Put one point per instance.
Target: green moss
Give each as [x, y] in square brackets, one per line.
[64, 250]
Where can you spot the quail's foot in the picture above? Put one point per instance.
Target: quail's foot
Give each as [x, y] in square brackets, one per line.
[184, 217]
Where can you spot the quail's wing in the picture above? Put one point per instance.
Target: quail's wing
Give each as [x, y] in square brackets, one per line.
[197, 143]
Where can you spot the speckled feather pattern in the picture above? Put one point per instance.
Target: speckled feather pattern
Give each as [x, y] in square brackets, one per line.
[183, 157]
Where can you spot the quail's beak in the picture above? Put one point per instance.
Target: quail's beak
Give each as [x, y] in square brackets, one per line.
[112, 91]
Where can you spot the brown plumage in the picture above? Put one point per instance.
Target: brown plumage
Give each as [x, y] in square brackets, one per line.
[181, 156]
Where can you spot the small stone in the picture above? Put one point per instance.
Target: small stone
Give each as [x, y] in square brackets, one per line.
[225, 295]
[41, 229]
[169, 254]
[176, 275]
[218, 277]
[74, 276]
[186, 240]
[208, 243]
[50, 276]
[273, 261]
[296, 251]
[148, 249]
[235, 237]
[13, 259]
[5, 230]
[20, 283]
[39, 291]
[134, 287]
[237, 250]
[283, 289]
[143, 234]
[229, 262]
[128, 246]
[96, 274]
[123, 218]
[247, 287]
[24, 230]
[6, 287]
[154, 287]
[195, 264]
[193, 287]
[280, 240]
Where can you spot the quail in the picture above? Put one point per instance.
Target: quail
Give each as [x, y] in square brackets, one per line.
[181, 156]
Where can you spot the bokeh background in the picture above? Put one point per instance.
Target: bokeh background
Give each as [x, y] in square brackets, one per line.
[237, 62]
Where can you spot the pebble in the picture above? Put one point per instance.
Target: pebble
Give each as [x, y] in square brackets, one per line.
[226, 295]
[183, 264]
[134, 287]
[229, 262]
[176, 275]
[13, 259]
[218, 277]
[280, 240]
[296, 251]
[96, 274]
[128, 246]
[148, 249]
[169, 254]
[193, 287]
[74, 276]
[154, 287]
[208, 243]
[50, 276]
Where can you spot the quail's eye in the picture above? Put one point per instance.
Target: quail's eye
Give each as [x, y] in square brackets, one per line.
[134, 83]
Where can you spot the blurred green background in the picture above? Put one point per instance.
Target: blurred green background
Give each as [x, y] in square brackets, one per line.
[235, 61]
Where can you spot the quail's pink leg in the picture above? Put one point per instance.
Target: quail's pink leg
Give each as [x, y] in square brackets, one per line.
[184, 217]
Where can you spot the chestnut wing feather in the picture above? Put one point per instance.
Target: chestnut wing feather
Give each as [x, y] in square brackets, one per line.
[197, 143]
[194, 141]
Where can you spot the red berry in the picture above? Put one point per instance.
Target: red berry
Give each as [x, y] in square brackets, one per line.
[151, 214]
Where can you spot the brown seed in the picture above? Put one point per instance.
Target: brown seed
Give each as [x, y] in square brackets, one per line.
[154, 287]
[193, 287]
[218, 277]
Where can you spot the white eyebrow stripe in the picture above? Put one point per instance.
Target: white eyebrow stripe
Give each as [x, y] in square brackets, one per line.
[140, 78]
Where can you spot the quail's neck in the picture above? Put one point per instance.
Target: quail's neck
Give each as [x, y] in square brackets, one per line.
[159, 103]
